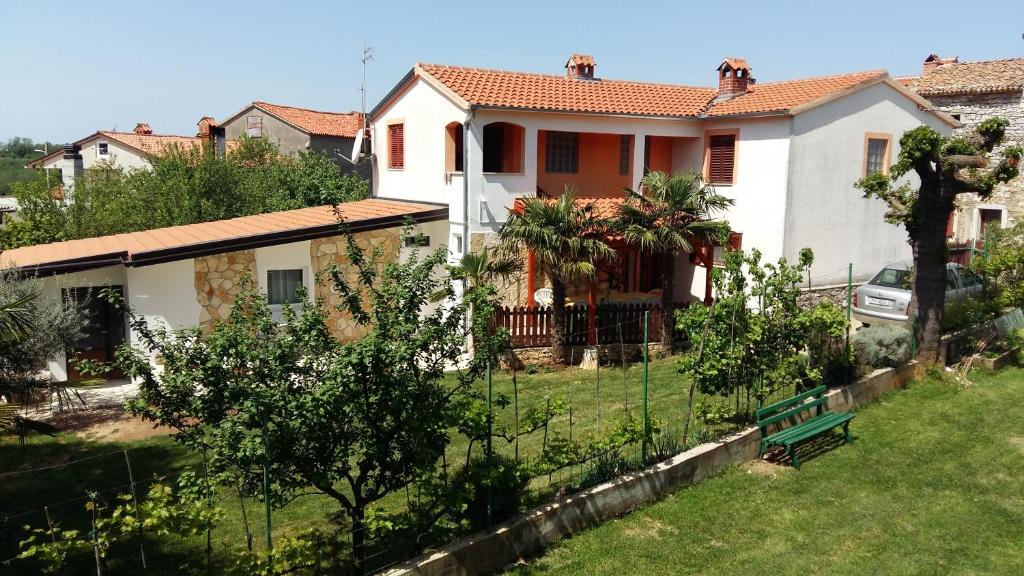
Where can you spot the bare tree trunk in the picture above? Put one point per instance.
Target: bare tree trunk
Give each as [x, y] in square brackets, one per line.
[358, 538]
[928, 299]
[557, 319]
[668, 288]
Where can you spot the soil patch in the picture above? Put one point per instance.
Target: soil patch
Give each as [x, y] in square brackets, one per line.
[111, 424]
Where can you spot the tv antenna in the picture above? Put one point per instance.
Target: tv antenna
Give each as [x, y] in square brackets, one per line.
[367, 57]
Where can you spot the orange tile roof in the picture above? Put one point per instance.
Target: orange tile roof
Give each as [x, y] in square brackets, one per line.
[907, 81]
[981, 77]
[179, 242]
[736, 63]
[316, 122]
[496, 88]
[582, 60]
[152, 143]
[786, 95]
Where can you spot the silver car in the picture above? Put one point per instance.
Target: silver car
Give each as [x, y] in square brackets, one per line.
[886, 297]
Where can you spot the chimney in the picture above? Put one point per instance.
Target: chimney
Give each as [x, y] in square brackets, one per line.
[71, 168]
[733, 78]
[206, 124]
[580, 67]
[142, 128]
[933, 61]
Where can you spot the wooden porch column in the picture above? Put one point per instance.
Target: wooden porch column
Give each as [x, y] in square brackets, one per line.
[592, 314]
[530, 278]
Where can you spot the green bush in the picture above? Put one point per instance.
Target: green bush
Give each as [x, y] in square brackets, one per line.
[970, 313]
[880, 346]
[505, 480]
[827, 352]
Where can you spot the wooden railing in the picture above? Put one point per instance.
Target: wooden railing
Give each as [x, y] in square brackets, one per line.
[961, 252]
[530, 326]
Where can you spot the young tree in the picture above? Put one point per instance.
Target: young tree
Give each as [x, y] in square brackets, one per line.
[670, 215]
[946, 167]
[567, 239]
[293, 406]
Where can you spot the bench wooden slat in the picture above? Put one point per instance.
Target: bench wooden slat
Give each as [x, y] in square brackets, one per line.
[772, 408]
[791, 412]
[811, 427]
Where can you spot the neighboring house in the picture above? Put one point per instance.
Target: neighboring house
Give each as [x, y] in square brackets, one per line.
[972, 92]
[787, 152]
[122, 149]
[189, 275]
[296, 129]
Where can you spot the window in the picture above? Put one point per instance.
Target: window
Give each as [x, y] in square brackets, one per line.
[420, 240]
[396, 146]
[254, 126]
[453, 147]
[955, 117]
[457, 243]
[624, 154]
[735, 243]
[876, 158]
[950, 280]
[892, 278]
[721, 158]
[503, 148]
[283, 286]
[103, 148]
[969, 278]
[562, 153]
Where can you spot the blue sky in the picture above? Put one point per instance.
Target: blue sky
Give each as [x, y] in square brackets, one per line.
[70, 68]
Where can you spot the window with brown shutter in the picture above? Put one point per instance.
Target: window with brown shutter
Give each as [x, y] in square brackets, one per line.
[733, 244]
[396, 146]
[721, 158]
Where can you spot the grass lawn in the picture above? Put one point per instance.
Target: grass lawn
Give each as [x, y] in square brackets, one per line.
[63, 488]
[933, 484]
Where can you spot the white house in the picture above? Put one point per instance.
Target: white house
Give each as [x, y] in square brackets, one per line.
[189, 275]
[122, 149]
[788, 153]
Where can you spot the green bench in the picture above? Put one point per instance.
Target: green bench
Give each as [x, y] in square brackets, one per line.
[789, 438]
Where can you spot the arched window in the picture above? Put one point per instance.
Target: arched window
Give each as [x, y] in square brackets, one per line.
[503, 147]
[453, 147]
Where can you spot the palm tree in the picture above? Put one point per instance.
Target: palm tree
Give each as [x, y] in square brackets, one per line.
[567, 239]
[487, 266]
[672, 214]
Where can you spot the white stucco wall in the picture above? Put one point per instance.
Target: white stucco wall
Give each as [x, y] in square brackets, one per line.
[825, 212]
[117, 154]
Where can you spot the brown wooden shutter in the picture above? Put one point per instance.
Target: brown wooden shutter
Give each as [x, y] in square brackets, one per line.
[949, 226]
[396, 146]
[721, 156]
[735, 241]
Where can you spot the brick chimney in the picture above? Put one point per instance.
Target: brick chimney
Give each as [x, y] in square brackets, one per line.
[142, 128]
[206, 125]
[933, 61]
[733, 78]
[580, 67]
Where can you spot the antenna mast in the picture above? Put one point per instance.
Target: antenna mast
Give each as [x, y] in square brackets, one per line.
[367, 57]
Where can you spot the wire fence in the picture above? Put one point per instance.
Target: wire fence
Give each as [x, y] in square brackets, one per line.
[565, 429]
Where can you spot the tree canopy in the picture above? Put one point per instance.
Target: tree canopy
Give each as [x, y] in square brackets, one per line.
[184, 186]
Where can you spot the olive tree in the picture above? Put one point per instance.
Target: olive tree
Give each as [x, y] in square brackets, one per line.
[946, 168]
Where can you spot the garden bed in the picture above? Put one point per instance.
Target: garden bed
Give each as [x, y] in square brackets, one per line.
[1000, 360]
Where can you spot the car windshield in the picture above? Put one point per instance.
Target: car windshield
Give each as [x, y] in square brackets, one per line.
[892, 278]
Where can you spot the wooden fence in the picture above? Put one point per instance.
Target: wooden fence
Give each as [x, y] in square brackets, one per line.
[961, 252]
[530, 326]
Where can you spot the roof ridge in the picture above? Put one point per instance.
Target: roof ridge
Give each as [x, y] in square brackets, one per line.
[561, 77]
[118, 133]
[1018, 58]
[264, 102]
[876, 72]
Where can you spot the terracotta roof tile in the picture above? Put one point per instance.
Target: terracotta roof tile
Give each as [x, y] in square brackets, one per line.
[786, 95]
[973, 78]
[316, 122]
[152, 143]
[498, 88]
[135, 246]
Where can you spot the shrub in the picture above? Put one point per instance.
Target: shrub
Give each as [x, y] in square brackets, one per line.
[880, 347]
[827, 352]
[505, 481]
[970, 313]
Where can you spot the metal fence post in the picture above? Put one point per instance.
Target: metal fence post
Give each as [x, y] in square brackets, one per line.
[647, 422]
[490, 431]
[135, 501]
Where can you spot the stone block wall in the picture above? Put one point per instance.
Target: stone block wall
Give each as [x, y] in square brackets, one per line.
[330, 251]
[972, 109]
[217, 283]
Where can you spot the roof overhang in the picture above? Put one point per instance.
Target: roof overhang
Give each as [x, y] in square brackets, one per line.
[882, 78]
[151, 257]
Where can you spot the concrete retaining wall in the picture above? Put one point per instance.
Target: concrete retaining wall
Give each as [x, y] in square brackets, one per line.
[529, 533]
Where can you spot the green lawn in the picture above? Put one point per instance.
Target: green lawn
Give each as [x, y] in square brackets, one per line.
[934, 484]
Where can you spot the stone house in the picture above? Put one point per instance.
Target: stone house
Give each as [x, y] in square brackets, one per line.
[189, 275]
[296, 129]
[972, 92]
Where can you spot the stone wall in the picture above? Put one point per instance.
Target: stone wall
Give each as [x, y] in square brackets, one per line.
[972, 109]
[217, 283]
[513, 291]
[809, 298]
[326, 252]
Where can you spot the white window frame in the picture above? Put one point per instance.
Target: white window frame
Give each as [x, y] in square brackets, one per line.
[976, 222]
[277, 310]
[101, 146]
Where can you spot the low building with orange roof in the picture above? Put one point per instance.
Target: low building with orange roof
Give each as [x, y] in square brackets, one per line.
[185, 276]
[787, 152]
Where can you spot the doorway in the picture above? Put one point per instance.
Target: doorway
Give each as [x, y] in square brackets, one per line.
[104, 332]
[988, 217]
